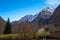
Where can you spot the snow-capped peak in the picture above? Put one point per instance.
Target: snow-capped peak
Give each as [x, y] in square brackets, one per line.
[47, 12]
[50, 9]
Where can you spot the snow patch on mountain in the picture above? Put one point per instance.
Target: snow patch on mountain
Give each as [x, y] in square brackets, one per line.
[47, 12]
[33, 17]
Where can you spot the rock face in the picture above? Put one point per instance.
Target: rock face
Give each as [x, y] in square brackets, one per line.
[55, 22]
[55, 18]
[44, 16]
[2, 25]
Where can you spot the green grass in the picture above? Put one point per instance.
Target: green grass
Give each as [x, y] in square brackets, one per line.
[27, 35]
[10, 36]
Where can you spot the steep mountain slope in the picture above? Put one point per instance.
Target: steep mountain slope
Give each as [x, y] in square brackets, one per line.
[55, 18]
[43, 16]
[2, 25]
[54, 23]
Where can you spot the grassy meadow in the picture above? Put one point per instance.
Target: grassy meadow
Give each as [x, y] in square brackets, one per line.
[26, 35]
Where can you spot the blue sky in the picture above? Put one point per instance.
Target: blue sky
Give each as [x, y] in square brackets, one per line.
[15, 9]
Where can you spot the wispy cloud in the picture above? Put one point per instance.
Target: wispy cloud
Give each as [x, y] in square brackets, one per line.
[53, 2]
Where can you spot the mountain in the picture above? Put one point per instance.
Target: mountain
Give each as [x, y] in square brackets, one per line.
[55, 18]
[25, 18]
[2, 25]
[43, 17]
[14, 23]
[54, 23]
[31, 23]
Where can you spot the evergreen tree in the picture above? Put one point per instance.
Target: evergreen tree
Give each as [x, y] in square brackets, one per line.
[7, 27]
